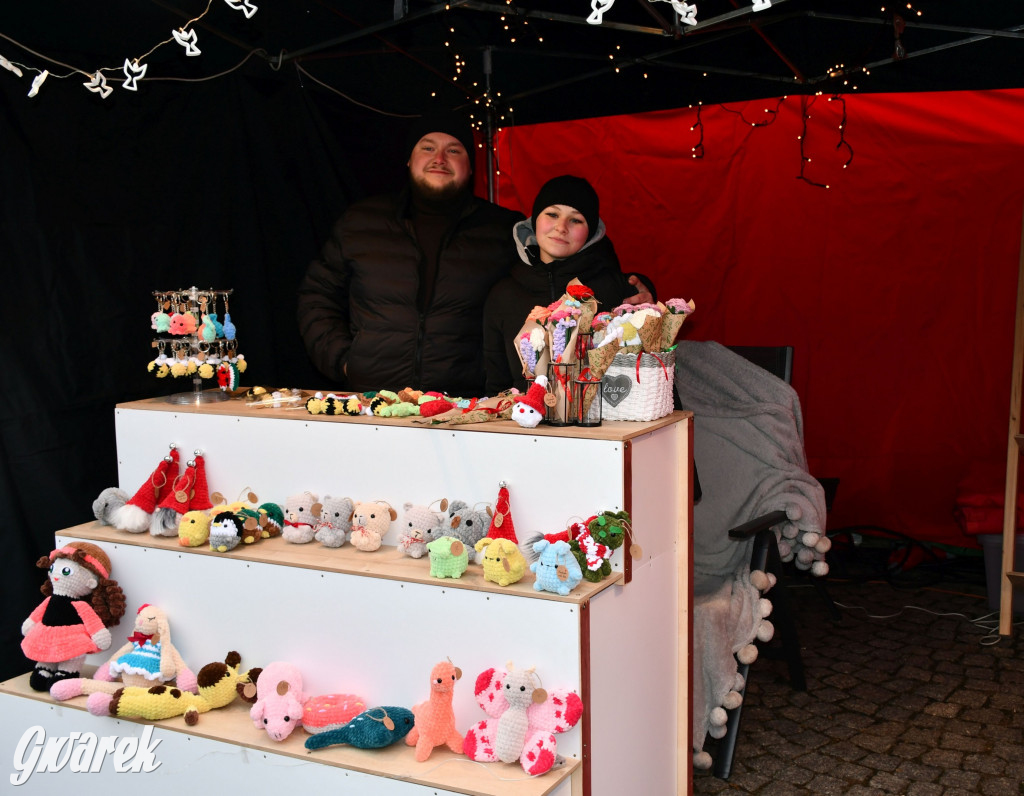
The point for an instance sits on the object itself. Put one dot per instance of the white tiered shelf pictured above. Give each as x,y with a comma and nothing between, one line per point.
375,623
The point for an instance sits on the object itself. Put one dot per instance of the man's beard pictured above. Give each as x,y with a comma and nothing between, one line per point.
442,194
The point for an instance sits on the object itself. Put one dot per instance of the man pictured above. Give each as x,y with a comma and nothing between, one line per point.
396,298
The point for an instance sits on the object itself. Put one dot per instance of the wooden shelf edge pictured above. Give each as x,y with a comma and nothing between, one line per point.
615,430
443,769
387,563
1017,579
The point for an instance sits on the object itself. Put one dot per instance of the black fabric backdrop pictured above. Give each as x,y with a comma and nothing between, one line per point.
230,183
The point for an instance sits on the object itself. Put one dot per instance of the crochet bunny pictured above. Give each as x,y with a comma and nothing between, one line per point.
148,658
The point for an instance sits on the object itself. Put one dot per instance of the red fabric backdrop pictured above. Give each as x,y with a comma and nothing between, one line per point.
896,285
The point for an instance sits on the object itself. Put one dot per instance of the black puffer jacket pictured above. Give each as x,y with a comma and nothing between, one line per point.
531,283
357,304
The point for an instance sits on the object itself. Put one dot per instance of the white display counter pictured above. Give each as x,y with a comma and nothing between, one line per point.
375,623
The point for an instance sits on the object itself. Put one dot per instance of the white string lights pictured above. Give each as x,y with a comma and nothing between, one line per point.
687,11
133,69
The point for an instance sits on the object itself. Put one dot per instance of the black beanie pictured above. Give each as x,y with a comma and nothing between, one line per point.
574,192
450,123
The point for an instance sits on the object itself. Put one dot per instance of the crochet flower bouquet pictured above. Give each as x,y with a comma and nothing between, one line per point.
633,354
553,342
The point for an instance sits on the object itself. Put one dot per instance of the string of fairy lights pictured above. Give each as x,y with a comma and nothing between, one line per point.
486,100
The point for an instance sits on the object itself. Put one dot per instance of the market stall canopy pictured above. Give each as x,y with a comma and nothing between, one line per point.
532,60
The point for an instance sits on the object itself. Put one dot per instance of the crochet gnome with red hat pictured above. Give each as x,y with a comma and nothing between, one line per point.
502,526
528,410
135,515
178,499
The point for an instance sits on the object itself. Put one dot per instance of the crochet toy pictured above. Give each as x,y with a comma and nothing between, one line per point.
136,514
372,729
334,521
299,519
467,524
329,712
217,685
435,719
556,568
504,562
253,521
594,545
449,557
529,409
226,531
279,700
370,521
147,658
188,491
107,502
194,529
333,405
417,523
275,519
81,604
525,719
502,526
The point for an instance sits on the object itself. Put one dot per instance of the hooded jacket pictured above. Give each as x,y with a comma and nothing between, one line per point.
357,304
532,282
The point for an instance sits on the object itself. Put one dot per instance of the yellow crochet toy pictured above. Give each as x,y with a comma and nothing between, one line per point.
504,562
217,687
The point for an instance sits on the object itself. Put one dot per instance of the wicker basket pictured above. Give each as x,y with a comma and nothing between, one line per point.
639,386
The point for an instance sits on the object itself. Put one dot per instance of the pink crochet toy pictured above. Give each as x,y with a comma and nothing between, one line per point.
435,719
279,700
281,704
81,603
524,720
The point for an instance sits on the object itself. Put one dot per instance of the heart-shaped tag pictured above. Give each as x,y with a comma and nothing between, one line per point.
616,389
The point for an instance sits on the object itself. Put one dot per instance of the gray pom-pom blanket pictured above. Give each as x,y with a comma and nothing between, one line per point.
749,453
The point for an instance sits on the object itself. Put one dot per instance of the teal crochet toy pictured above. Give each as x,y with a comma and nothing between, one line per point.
449,557
372,729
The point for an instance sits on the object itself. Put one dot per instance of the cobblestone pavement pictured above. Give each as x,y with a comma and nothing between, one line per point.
920,702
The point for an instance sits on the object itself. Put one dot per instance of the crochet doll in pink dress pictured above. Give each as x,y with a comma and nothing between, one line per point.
81,602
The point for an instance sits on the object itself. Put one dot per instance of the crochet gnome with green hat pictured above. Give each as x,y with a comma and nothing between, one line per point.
502,526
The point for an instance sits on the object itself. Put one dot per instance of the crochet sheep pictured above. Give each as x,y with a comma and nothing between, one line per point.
449,557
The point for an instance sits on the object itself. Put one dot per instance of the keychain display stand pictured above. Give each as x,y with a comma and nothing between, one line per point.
195,344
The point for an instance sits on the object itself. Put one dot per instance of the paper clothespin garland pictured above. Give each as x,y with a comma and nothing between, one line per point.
98,85
188,40
245,6
9,66
37,82
133,73
599,8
